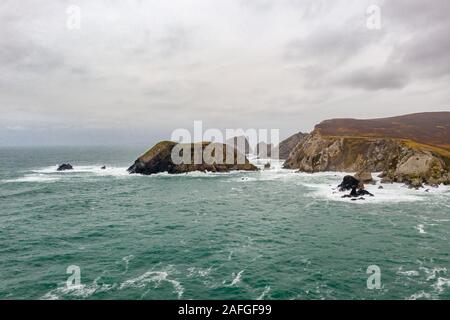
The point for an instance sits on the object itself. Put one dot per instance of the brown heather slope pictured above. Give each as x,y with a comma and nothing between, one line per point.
428,128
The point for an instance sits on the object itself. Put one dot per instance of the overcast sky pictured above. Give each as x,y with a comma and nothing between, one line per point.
136,70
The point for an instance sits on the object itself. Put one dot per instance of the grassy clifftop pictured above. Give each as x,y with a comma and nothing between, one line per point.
421,130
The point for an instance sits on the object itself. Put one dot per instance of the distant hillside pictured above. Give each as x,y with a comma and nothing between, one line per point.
241,144
429,128
286,146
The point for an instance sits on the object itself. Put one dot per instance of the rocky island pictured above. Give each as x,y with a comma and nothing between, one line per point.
159,159
412,149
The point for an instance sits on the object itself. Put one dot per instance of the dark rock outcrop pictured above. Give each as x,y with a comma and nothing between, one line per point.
65,167
198,156
356,193
267,165
349,183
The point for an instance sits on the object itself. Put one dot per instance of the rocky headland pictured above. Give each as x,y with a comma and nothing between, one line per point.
386,145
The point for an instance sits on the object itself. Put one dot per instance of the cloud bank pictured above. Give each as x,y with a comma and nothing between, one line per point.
136,70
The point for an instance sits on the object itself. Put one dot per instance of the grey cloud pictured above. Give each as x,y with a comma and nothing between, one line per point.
331,45
426,54
415,14
375,79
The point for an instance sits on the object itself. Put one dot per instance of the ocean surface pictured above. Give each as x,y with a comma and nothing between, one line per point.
273,234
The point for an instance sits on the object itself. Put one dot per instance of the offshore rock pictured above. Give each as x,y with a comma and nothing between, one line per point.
159,159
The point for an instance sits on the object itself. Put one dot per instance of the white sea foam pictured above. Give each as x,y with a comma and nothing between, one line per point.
80,291
441,284
420,228
264,293
433,273
51,174
236,278
198,272
93,169
324,185
126,260
32,178
420,295
409,273
155,278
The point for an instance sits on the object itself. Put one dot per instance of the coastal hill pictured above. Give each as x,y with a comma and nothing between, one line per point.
159,159
412,149
429,128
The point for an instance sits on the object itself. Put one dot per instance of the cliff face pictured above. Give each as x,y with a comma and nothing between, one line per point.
399,161
287,146
159,159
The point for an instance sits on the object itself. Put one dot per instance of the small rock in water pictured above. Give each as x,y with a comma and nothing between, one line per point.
64,167
103,168
348,183
380,187
267,165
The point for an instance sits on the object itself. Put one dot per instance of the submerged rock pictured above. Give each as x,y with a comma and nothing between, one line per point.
267,165
103,168
64,167
190,157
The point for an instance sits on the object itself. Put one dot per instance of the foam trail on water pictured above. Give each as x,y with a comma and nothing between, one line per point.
32,178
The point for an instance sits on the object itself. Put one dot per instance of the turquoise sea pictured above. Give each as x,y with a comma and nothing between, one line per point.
272,234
